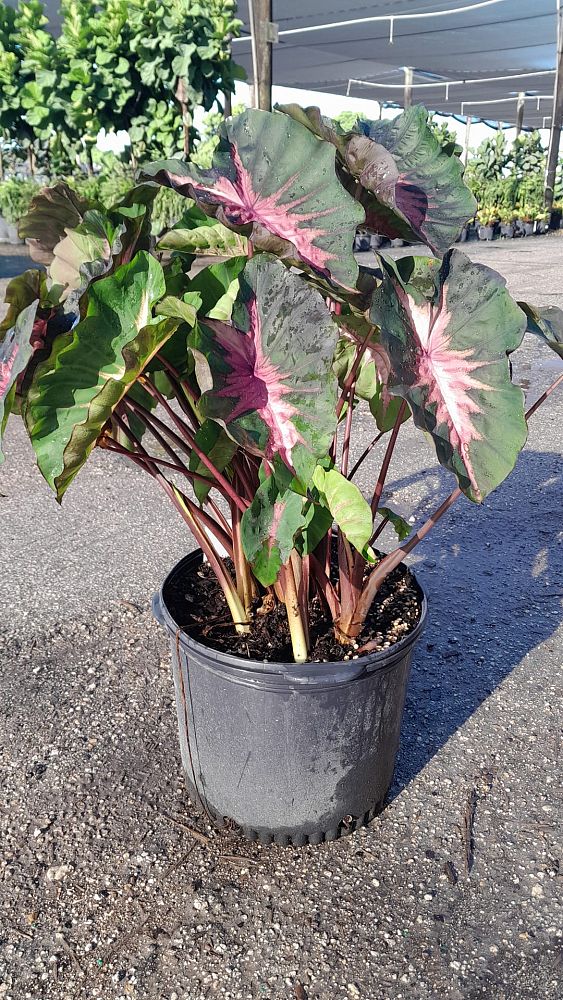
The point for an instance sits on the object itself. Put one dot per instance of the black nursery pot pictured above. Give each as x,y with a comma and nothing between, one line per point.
292,753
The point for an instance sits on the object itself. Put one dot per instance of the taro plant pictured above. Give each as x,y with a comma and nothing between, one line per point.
236,387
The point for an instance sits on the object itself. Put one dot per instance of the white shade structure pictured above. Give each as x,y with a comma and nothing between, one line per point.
468,58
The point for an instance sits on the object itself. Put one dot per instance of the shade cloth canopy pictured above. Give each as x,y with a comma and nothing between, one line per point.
468,47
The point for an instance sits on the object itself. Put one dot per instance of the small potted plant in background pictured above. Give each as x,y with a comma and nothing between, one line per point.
507,223
542,223
487,218
15,198
236,390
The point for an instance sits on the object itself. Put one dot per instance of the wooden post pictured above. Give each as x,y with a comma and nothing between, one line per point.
1,159
407,100
263,33
467,134
557,115
227,105
182,99
520,113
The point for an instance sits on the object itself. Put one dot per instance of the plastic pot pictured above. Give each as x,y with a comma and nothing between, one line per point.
507,230
294,753
486,232
13,235
4,235
555,218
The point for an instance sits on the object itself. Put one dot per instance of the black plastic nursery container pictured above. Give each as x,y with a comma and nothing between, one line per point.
294,753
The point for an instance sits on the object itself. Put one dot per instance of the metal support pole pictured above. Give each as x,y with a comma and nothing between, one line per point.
520,113
467,134
263,34
407,100
557,117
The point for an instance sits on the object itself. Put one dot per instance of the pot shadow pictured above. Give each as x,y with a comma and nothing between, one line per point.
493,575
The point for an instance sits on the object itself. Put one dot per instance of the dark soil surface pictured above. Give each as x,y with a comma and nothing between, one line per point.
197,603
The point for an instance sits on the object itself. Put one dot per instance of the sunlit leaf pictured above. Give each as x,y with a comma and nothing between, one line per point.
349,509
268,377
89,370
269,527
273,181
448,330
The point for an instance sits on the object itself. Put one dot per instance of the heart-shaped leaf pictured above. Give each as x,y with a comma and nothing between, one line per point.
268,377
269,527
52,211
89,370
412,187
448,330
349,509
273,180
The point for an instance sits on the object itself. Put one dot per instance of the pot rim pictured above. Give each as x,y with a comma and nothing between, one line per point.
310,672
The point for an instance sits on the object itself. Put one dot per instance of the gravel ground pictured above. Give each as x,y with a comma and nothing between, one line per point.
112,887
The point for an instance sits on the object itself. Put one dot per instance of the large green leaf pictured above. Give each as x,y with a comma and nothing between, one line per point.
410,186
218,285
197,233
269,527
16,349
53,210
545,322
349,509
268,377
85,253
448,330
275,182
89,370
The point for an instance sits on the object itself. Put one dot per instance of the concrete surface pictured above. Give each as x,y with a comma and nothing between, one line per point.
453,892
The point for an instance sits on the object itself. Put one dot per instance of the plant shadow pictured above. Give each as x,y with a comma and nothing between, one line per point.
494,579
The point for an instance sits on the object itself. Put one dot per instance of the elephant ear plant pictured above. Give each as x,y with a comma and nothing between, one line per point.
236,386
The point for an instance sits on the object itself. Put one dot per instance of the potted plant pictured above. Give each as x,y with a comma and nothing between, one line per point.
15,198
487,218
507,223
542,223
235,389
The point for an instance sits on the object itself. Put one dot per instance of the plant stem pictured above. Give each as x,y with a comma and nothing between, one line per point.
544,396
296,629
223,577
387,458
365,454
191,444
348,430
352,374
245,587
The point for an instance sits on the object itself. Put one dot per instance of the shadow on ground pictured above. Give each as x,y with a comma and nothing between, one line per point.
494,579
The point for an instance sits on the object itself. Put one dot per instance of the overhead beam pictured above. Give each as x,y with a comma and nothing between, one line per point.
557,116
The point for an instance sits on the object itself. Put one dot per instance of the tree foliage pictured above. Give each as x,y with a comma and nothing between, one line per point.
138,65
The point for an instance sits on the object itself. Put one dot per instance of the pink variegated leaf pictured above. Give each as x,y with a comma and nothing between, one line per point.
270,371
275,182
15,351
409,185
449,330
